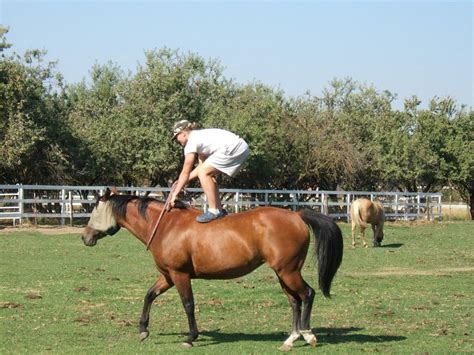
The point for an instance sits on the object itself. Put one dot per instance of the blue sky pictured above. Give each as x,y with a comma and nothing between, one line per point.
406,47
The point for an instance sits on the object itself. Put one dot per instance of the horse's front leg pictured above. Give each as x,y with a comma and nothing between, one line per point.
378,235
160,286
374,230
183,285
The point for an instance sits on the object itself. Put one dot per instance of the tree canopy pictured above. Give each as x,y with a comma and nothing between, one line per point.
114,128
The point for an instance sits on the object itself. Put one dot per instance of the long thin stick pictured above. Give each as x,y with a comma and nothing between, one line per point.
165,208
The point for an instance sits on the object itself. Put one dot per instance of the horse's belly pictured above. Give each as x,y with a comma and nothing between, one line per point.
224,271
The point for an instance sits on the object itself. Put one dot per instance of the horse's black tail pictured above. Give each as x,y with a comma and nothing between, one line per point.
328,247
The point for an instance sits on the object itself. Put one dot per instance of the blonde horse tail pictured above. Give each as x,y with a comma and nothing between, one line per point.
355,214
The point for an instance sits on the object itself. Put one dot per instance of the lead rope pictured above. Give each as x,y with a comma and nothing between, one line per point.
165,208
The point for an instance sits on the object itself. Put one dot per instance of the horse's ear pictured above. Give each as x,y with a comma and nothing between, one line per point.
114,190
105,196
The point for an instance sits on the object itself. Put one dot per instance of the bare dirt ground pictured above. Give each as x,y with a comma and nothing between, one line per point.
49,230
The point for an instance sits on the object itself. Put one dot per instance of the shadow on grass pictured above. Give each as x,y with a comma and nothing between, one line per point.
324,335
393,245
351,335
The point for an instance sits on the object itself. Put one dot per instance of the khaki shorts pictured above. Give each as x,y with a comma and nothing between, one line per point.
230,161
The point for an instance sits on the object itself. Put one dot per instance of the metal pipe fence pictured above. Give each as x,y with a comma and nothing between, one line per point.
47,204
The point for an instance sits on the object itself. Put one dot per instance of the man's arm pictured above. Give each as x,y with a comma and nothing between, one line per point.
184,176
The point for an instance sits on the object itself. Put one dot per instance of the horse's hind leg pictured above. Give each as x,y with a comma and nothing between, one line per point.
308,306
183,285
295,303
353,228
362,236
160,286
294,286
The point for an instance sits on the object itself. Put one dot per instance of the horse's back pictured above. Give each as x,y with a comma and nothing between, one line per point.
238,243
365,211
268,230
282,235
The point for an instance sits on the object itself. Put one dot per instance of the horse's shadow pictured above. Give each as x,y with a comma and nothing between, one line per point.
393,245
351,334
324,335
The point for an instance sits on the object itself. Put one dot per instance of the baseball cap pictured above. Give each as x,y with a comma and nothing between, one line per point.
180,126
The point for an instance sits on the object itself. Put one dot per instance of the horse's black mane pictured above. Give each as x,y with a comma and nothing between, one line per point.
119,204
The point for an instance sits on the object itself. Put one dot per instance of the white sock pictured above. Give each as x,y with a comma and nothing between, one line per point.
213,210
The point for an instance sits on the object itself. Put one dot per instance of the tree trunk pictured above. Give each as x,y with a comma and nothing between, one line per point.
471,202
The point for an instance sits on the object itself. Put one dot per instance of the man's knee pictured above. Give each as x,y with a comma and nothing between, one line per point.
207,171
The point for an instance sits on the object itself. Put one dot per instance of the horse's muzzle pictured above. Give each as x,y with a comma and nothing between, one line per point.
89,241
91,235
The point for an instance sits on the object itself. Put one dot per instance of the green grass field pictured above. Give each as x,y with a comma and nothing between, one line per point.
412,296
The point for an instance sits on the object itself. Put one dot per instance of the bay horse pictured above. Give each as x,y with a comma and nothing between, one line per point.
364,211
227,248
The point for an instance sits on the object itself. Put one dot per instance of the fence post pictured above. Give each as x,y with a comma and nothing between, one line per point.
348,207
322,202
396,206
35,208
21,207
236,199
418,201
450,201
325,203
71,212
405,208
63,206
428,214
440,208
295,201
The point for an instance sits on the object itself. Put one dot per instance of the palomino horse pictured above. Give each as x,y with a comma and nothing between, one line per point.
227,248
364,211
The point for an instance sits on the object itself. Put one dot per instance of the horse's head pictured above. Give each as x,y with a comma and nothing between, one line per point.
102,221
379,237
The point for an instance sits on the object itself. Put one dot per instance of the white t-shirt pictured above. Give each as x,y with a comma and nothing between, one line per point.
208,141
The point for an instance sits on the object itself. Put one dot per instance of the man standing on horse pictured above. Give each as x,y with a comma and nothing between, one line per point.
218,151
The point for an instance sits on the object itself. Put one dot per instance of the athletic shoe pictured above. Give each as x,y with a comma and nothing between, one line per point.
209,216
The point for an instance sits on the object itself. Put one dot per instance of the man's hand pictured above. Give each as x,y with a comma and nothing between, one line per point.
174,195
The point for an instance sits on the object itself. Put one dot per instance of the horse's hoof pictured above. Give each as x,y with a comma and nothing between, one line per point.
309,337
187,345
143,335
285,347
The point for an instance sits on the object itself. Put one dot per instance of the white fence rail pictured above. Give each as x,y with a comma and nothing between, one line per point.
74,203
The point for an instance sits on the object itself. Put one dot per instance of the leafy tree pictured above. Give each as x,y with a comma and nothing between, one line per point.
126,121
327,158
460,158
115,128
95,125
32,130
255,112
3,42
350,118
